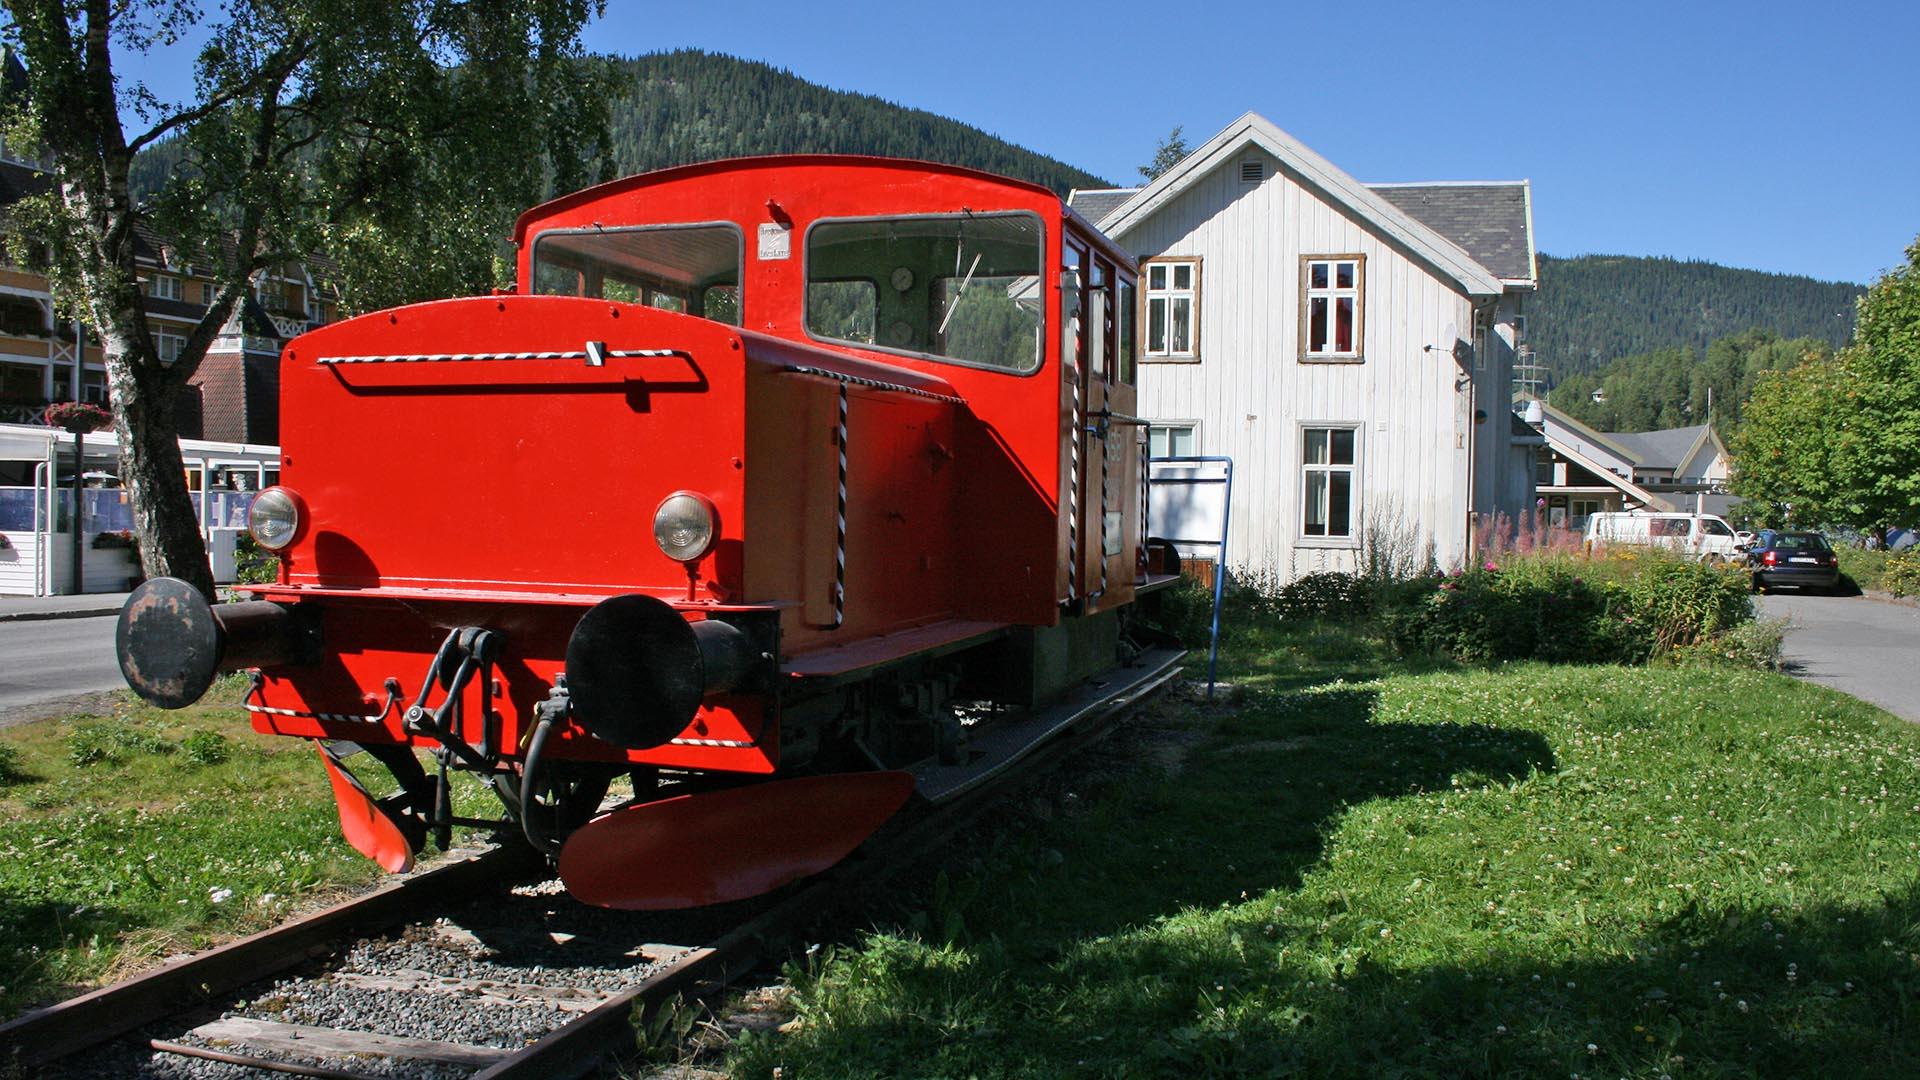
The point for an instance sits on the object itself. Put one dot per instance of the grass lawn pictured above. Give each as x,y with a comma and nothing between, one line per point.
128,838
1364,870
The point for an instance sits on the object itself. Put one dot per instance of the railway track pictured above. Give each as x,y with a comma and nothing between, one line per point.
492,971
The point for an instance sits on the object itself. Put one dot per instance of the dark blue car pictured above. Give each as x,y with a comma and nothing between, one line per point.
1801,559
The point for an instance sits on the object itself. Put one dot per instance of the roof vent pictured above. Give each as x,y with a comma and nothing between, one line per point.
1252,172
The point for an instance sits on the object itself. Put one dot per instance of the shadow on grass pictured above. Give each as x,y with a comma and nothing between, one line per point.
33,935
1249,813
1824,992
1111,955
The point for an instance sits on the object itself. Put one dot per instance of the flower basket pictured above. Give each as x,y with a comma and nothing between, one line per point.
108,541
77,417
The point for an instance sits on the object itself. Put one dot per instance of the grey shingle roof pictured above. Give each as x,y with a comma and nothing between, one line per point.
1658,449
1488,220
1096,204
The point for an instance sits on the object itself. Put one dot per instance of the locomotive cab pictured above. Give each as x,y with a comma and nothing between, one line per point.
784,470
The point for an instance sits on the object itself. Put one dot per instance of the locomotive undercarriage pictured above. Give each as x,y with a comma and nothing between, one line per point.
852,747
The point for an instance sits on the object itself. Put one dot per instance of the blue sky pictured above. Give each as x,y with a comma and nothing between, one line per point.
1782,137
1777,136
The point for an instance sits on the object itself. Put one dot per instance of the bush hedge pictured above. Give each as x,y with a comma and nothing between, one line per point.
1900,574
1551,606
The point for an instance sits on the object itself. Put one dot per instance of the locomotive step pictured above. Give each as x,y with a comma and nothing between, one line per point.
1115,688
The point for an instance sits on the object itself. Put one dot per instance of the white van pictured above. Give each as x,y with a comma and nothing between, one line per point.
1700,536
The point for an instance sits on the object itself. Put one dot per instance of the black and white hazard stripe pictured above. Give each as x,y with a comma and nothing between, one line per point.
1073,487
840,518
594,355
328,717
872,384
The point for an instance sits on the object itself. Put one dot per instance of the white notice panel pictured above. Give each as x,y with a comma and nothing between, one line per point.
1188,505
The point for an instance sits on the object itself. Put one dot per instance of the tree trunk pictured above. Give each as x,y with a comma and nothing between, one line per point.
156,480
151,467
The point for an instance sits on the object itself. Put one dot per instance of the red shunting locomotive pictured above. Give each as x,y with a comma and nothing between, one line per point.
788,487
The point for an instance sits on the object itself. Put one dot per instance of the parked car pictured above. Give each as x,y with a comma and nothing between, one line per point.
1702,536
1801,559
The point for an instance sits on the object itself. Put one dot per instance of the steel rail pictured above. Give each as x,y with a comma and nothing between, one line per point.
579,1045
93,1018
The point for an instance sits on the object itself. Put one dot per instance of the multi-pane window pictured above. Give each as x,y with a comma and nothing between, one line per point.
1327,472
1173,309
1172,440
168,346
164,287
1330,307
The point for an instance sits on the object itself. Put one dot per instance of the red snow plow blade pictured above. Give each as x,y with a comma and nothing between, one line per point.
726,845
368,828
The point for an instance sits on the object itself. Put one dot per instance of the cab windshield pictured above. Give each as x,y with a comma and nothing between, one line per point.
965,288
688,268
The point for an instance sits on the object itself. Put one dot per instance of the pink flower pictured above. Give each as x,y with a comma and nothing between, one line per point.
1489,566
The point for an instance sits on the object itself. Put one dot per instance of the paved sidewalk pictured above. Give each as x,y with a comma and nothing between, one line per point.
19,608
1865,647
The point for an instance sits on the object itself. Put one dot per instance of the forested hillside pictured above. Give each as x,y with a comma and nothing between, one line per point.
681,107
1594,309
1680,386
678,107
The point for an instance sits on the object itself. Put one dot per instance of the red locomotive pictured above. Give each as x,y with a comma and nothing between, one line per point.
782,484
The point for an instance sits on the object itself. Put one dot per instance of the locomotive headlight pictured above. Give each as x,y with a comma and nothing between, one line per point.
683,526
275,517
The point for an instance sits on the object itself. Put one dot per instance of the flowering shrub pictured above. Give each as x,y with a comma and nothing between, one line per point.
1901,576
1563,609
79,416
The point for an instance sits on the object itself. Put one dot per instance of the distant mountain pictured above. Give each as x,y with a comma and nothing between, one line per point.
679,107
1594,309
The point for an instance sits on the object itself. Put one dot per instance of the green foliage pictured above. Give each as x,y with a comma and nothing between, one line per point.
112,742
1181,613
1327,594
253,564
1170,152
1677,387
1595,309
1754,644
10,767
206,748
1837,443
1902,574
1862,567
1565,609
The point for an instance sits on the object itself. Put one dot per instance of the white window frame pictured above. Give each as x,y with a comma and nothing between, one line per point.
164,287
1165,429
1169,296
167,346
1312,351
1308,469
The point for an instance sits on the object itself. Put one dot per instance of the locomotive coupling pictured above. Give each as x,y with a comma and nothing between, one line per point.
172,643
637,669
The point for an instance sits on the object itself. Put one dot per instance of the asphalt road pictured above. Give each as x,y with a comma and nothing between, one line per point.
1867,648
49,660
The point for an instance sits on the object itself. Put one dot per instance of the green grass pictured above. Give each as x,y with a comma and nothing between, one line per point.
131,837
1526,871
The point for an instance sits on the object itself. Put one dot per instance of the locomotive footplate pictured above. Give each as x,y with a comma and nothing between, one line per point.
998,749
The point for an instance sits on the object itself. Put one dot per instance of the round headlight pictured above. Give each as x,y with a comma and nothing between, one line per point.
274,518
683,526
